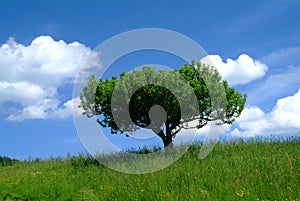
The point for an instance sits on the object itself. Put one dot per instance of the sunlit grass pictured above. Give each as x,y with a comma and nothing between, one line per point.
252,170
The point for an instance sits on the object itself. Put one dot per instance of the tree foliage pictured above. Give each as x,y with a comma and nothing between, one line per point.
195,92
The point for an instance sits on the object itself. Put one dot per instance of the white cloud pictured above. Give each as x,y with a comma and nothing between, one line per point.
240,71
31,75
24,92
47,109
44,62
286,112
283,119
69,107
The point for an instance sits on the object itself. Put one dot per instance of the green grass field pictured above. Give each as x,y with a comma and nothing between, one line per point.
232,171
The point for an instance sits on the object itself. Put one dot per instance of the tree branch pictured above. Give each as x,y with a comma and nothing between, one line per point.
173,134
182,127
200,118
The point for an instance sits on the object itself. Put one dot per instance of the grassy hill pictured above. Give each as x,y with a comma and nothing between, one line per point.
233,171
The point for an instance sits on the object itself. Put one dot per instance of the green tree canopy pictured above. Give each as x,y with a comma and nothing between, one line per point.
195,92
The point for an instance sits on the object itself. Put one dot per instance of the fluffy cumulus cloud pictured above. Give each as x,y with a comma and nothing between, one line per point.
242,70
31,76
283,119
48,109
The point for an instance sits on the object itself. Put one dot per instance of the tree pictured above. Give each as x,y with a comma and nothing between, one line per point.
135,93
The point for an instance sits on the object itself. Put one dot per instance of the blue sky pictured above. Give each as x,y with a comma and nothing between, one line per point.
256,44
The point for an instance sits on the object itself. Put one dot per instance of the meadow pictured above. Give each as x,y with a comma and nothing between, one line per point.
239,170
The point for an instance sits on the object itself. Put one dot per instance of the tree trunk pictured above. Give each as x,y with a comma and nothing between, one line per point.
168,142
167,139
